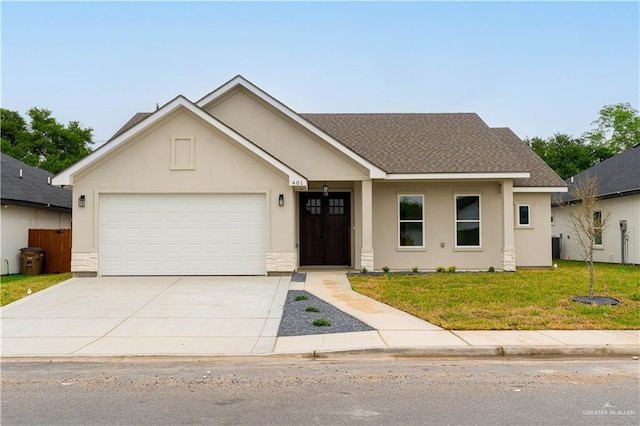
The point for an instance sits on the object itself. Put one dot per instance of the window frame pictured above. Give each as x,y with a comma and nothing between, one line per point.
456,221
596,228
518,223
421,221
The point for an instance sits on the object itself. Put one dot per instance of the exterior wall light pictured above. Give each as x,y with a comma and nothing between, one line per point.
325,190
281,200
81,201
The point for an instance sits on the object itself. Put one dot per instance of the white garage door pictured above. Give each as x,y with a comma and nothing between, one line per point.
182,234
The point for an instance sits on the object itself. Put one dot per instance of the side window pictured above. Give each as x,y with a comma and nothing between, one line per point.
468,221
597,226
411,220
524,215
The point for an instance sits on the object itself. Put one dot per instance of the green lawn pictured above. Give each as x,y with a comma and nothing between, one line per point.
534,299
14,287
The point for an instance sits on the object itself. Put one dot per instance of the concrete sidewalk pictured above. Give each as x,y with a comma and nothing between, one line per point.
400,333
230,316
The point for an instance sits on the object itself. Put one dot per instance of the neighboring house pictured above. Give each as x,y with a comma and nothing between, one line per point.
619,193
29,201
239,183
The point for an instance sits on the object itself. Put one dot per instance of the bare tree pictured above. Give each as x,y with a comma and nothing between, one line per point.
588,220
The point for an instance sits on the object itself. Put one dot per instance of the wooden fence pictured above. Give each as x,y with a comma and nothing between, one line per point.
56,244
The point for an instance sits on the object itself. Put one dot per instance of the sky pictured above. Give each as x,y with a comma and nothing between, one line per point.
536,67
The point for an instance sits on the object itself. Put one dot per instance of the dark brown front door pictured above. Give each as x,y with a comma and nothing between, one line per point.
325,229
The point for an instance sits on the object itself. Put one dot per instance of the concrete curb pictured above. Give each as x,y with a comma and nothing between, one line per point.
486,351
409,352
426,352
586,351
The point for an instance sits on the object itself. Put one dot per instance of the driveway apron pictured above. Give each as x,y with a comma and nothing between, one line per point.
147,316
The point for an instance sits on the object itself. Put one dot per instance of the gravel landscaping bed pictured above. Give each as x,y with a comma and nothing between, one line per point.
296,321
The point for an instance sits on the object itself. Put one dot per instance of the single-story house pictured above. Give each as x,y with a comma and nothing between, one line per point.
239,183
618,181
28,201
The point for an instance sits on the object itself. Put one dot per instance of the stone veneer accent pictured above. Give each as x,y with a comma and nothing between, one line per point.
282,261
509,260
82,263
366,259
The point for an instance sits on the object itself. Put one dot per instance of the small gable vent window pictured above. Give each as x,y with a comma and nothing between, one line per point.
183,156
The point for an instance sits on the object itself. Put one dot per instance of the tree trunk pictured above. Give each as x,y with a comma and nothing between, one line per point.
591,278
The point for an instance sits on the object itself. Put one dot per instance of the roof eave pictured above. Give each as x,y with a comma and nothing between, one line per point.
21,203
540,189
457,176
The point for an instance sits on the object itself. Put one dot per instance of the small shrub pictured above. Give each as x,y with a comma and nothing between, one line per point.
301,297
635,296
321,322
492,269
385,269
312,309
415,269
365,270
441,269
452,269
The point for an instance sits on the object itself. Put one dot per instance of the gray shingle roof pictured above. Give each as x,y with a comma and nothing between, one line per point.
541,173
138,117
33,188
436,143
617,176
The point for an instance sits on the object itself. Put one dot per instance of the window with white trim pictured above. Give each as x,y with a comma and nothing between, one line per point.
468,221
524,215
411,220
597,227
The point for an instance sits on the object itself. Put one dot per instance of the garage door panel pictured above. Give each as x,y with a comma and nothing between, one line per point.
194,234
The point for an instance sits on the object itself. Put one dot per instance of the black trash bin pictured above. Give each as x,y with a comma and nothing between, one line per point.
555,247
31,259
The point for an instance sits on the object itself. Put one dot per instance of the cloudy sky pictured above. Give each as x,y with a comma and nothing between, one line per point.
537,67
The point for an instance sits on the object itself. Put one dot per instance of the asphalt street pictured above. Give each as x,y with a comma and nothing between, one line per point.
293,391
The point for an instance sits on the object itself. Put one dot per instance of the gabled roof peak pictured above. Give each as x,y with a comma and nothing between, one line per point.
66,176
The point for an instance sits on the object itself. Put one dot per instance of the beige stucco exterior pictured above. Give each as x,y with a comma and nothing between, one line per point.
439,226
14,228
533,242
285,140
621,208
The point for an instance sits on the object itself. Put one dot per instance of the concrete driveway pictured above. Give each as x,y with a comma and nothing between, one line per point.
147,316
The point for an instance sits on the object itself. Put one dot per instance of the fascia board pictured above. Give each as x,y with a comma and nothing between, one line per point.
540,189
66,176
457,176
374,171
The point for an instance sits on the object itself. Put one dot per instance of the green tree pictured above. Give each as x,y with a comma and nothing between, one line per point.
617,128
43,141
565,154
